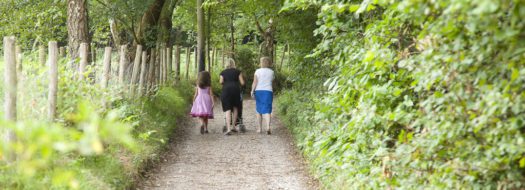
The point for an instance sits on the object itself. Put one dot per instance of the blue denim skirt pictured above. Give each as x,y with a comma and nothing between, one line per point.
263,101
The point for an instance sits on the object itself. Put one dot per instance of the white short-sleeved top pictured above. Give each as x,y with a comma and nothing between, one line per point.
265,78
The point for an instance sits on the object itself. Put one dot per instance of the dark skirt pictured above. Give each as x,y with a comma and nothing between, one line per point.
230,97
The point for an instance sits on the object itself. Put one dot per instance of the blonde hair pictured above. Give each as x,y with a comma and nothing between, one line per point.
231,64
265,62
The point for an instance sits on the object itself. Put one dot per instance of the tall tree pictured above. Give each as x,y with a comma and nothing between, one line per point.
267,47
148,25
200,36
165,22
77,25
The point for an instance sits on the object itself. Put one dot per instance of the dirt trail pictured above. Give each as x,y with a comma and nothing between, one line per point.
240,161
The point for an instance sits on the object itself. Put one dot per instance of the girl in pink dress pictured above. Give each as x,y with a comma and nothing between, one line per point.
203,100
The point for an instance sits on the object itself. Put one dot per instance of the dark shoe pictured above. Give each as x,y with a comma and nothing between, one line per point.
242,128
224,129
234,130
206,131
202,129
269,132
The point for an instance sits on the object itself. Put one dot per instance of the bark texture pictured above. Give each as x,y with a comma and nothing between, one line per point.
77,26
200,37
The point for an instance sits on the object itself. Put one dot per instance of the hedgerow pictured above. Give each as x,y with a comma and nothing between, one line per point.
421,94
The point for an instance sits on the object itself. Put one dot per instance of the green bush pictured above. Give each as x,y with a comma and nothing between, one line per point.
100,140
421,94
246,61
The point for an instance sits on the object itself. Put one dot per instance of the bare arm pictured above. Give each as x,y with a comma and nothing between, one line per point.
212,99
241,79
221,80
195,95
254,84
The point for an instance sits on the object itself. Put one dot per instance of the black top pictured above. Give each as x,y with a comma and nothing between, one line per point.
231,89
231,77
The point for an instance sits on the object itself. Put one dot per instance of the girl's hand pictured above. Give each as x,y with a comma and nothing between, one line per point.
253,94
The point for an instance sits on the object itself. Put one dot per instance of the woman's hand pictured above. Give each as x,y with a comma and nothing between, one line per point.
253,94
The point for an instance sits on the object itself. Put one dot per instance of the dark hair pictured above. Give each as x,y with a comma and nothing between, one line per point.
204,79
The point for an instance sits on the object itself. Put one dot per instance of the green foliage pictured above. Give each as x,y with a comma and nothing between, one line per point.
100,140
34,22
246,61
421,94
47,151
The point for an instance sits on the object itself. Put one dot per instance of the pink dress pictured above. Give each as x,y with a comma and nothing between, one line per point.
202,106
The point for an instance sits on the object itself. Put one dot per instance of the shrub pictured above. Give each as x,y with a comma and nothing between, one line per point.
421,94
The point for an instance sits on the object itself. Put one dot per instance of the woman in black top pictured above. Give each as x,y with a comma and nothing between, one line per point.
231,80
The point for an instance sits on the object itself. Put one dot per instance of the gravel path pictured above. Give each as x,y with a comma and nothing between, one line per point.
241,161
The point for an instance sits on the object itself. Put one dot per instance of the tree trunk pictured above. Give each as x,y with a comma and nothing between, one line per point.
232,38
267,47
146,30
200,37
165,23
115,32
188,57
208,36
77,26
177,63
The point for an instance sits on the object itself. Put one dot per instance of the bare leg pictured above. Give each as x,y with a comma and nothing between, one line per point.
205,121
259,122
235,112
228,120
202,125
268,120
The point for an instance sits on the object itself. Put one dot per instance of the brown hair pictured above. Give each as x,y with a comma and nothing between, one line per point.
266,62
204,79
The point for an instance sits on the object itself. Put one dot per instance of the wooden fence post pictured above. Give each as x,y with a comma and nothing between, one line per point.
166,65
83,54
42,55
208,59
196,59
142,73
177,63
188,56
223,57
93,53
157,67
106,67
62,52
9,84
151,75
160,58
169,56
282,57
162,64
135,73
212,61
19,66
53,79
122,65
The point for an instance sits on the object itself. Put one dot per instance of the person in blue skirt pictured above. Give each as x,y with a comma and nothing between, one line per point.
262,91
